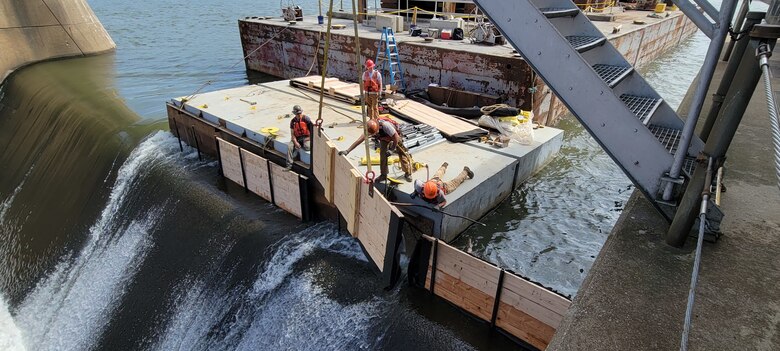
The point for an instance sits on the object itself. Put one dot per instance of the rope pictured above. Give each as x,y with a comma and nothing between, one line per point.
438,210
487,110
774,121
360,84
208,82
326,53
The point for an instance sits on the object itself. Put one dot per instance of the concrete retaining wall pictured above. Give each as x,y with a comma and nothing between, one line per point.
37,30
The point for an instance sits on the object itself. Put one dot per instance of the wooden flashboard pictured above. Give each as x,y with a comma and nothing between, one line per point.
333,88
450,126
523,309
369,217
272,182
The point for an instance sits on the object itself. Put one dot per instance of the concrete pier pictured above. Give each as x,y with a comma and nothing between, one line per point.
37,30
291,51
240,113
635,295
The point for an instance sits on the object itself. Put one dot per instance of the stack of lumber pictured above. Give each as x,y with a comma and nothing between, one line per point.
333,87
453,128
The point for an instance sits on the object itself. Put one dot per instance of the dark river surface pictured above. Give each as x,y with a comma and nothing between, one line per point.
110,238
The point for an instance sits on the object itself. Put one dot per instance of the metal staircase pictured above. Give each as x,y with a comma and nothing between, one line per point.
388,61
622,112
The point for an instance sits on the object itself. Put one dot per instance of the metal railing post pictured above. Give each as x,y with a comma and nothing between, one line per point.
705,77
753,18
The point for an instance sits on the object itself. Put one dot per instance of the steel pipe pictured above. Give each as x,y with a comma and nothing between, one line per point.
705,77
701,21
739,22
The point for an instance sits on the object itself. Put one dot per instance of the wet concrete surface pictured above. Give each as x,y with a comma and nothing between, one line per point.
635,295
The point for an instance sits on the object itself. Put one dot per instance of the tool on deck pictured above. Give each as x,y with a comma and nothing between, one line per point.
249,102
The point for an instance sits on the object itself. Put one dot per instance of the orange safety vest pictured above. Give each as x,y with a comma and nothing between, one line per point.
370,82
300,128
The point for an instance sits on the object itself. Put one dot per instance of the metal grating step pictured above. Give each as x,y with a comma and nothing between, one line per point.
612,75
583,43
668,137
553,12
643,107
689,165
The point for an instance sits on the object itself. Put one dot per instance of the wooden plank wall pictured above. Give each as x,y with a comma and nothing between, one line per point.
258,176
323,153
231,162
270,181
370,217
525,310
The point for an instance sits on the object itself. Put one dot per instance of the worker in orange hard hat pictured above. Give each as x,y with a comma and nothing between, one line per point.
433,190
372,86
388,133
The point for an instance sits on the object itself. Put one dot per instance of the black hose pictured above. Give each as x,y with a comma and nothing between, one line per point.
438,210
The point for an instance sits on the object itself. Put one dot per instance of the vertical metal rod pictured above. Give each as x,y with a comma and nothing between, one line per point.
243,169
737,27
326,53
753,18
736,101
433,264
705,198
705,77
197,144
497,298
176,126
219,156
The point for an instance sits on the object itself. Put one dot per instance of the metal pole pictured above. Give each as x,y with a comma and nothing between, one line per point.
737,27
735,104
753,18
705,77
697,258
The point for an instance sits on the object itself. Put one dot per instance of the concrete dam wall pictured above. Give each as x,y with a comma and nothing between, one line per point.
37,30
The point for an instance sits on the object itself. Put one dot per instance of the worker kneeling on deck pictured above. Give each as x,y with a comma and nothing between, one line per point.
300,127
372,85
387,132
433,190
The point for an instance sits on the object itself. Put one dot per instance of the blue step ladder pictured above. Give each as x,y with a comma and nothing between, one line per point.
387,60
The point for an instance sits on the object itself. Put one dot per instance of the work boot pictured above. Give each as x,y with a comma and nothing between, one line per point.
408,177
469,173
445,164
288,166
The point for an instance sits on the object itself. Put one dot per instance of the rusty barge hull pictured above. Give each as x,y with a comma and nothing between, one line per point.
275,47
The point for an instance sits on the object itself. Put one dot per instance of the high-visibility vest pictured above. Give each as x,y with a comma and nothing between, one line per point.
370,81
300,128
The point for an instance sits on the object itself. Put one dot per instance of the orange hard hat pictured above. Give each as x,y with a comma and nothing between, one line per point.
369,63
430,190
372,127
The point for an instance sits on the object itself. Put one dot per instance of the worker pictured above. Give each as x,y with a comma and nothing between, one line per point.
389,136
372,85
300,128
434,189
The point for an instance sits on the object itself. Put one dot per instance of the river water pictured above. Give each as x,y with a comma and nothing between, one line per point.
110,238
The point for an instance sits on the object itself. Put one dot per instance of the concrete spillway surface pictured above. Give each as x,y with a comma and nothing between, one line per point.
246,110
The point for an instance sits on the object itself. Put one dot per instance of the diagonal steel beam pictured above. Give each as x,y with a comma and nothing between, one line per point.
698,18
708,8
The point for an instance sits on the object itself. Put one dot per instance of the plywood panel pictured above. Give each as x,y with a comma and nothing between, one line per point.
346,191
527,310
374,223
324,152
287,190
257,180
231,162
524,326
447,124
534,300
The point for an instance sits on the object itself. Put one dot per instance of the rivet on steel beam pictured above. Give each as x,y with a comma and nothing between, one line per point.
636,163
635,130
571,88
603,124
539,53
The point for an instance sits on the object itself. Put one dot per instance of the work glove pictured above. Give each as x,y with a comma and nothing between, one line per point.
413,195
343,153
